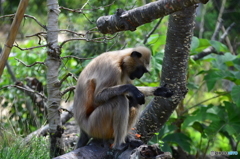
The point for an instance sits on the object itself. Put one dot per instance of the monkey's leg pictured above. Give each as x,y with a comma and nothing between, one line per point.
110,120
83,139
120,121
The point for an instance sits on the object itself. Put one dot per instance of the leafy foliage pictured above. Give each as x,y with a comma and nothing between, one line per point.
210,119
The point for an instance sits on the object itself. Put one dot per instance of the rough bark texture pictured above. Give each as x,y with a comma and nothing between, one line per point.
129,20
174,72
53,63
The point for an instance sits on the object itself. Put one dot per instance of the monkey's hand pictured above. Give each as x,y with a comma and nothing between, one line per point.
163,91
135,96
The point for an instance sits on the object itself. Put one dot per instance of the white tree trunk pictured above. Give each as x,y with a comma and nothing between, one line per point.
53,63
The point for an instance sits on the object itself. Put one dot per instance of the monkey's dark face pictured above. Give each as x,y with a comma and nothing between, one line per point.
138,73
136,64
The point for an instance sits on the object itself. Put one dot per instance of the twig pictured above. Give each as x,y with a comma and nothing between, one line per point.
66,110
65,77
30,48
217,29
75,10
186,110
96,8
25,89
152,31
37,34
71,10
211,49
71,88
98,40
78,58
42,63
28,16
201,30
73,32
219,20
65,116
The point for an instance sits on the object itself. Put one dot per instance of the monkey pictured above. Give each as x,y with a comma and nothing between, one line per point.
106,103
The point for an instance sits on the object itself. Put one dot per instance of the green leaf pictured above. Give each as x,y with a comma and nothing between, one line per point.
179,138
214,128
199,115
216,45
212,77
156,40
235,93
237,63
194,43
203,44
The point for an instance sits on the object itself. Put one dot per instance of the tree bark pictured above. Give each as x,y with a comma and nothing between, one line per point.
129,20
174,72
53,63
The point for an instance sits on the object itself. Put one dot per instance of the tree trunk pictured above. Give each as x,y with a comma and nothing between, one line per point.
53,63
174,72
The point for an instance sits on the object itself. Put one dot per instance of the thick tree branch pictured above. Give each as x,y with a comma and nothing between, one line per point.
129,20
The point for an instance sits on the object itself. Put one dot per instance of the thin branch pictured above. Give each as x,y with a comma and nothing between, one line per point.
66,110
65,77
78,58
226,32
219,20
201,31
98,40
217,29
30,48
211,49
71,10
82,8
75,10
96,8
152,31
28,16
37,34
73,32
71,88
196,105
35,63
25,89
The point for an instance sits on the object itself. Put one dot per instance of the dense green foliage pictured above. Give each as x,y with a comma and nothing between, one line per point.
208,118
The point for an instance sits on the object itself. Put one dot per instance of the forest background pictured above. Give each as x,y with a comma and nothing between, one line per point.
206,120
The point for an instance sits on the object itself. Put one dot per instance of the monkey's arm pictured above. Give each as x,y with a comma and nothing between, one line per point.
156,91
111,92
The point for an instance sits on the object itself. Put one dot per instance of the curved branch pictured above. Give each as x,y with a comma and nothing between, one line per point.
35,63
129,20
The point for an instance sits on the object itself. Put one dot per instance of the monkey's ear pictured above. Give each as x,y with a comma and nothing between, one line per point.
136,54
